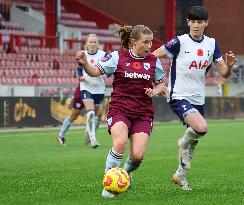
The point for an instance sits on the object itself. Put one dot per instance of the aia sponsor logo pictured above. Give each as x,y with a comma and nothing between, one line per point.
198,64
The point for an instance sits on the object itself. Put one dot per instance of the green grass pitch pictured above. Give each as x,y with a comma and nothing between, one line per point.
35,170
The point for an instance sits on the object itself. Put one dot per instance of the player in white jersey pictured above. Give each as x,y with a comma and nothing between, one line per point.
192,55
92,90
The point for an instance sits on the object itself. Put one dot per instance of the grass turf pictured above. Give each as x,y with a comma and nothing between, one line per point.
35,170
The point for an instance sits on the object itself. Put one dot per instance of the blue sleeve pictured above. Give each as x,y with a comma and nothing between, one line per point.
172,48
217,56
159,72
79,70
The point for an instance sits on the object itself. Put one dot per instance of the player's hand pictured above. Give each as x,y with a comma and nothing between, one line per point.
149,92
164,92
230,59
81,78
81,57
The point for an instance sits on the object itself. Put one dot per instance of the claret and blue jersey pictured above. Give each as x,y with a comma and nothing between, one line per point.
132,74
191,60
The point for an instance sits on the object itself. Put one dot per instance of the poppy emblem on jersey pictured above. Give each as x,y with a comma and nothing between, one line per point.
136,65
146,66
92,61
200,52
106,57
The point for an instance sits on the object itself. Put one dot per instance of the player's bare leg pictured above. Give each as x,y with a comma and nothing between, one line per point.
90,133
119,133
186,145
65,127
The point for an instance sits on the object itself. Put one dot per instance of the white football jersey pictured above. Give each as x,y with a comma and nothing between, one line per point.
94,85
191,60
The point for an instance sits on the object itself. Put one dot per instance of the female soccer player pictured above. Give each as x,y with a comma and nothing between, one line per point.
131,111
89,94
192,55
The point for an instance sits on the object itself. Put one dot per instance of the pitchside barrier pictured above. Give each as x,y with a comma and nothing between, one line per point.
51,111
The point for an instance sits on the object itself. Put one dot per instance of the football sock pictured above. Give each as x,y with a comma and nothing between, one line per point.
180,172
189,137
97,122
130,166
113,159
90,124
66,124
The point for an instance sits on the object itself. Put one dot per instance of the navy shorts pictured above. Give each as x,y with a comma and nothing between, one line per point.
134,124
96,98
182,108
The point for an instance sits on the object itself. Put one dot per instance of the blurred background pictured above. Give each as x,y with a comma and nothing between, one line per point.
38,40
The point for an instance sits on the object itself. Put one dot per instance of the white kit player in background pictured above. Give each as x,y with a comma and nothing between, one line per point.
192,55
92,90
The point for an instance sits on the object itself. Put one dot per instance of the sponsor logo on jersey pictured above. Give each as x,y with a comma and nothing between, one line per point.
198,65
127,64
106,57
146,66
137,75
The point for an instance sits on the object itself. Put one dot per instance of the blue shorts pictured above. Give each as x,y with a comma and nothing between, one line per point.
182,108
87,96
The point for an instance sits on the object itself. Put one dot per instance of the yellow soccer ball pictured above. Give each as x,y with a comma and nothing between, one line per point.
116,180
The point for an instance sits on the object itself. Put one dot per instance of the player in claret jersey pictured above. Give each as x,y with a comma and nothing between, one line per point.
131,111
192,55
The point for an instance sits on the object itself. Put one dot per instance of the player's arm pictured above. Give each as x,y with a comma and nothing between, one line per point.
225,67
170,49
159,53
93,71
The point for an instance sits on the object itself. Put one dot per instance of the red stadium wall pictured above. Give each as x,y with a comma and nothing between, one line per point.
226,18
226,24
91,13
146,12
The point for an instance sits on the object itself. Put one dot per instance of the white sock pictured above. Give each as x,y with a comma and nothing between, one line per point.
180,172
97,122
189,137
113,159
90,124
130,166
66,124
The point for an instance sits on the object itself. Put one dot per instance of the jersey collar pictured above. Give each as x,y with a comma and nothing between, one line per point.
198,41
133,55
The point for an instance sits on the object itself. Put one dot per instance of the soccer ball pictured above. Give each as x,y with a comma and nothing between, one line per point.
116,180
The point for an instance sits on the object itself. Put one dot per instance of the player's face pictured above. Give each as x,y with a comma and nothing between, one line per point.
92,45
197,28
142,46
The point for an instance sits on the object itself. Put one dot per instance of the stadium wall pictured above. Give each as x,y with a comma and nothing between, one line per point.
48,111
226,18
